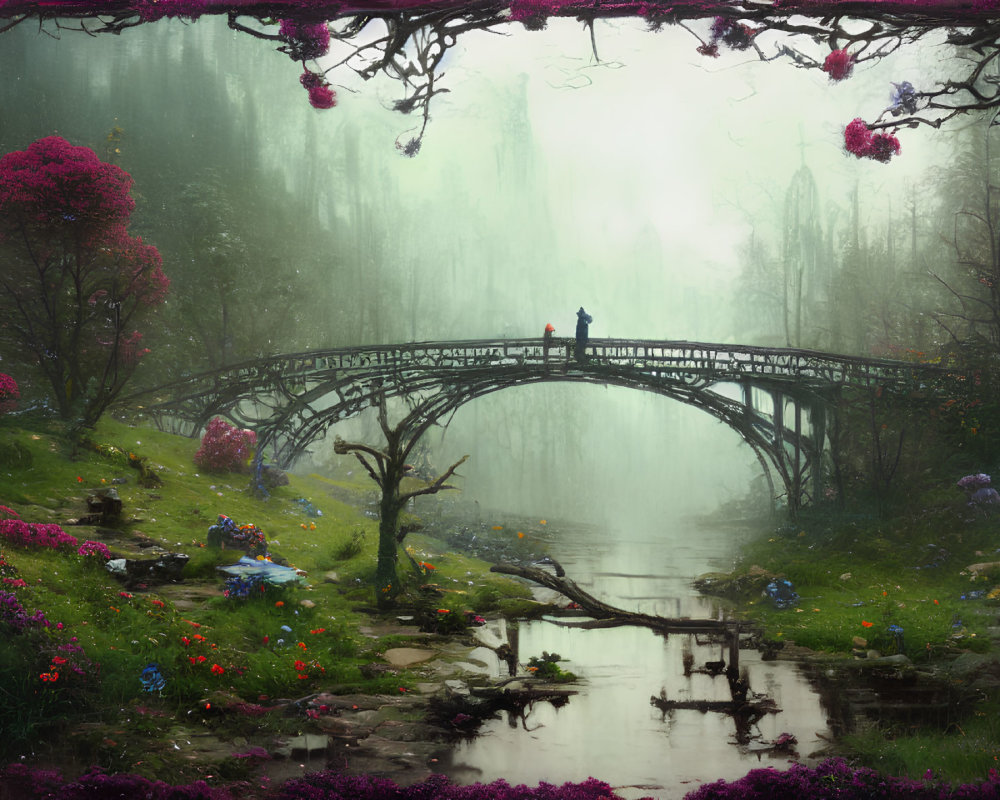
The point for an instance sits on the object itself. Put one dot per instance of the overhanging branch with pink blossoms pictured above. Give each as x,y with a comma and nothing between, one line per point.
411,38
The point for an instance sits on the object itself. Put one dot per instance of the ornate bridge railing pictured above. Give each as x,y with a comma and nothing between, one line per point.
775,398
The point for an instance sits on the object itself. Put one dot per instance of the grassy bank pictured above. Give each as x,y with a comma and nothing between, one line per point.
77,640
925,584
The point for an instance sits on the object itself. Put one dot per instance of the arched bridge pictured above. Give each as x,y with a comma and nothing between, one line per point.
776,399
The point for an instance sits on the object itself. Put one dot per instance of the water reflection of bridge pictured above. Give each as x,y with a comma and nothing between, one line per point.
777,399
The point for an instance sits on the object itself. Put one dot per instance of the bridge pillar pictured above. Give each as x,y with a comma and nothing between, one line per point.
817,418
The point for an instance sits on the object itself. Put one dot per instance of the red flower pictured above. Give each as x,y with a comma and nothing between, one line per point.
300,665
866,624
217,670
860,141
838,65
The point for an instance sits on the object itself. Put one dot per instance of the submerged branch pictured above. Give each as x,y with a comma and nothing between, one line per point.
609,615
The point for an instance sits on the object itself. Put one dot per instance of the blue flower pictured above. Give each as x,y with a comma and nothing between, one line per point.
903,98
152,679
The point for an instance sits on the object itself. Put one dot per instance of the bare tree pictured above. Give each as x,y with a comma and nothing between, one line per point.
975,245
388,467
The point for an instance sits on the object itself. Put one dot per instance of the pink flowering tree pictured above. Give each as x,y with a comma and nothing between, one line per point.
407,40
75,286
225,448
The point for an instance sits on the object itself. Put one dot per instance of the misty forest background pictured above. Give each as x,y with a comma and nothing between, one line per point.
673,196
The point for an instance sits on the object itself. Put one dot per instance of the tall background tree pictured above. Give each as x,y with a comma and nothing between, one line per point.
74,284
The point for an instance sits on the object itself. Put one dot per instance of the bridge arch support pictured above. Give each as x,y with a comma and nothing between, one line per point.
776,399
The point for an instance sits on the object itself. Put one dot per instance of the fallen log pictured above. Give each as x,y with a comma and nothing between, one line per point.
610,616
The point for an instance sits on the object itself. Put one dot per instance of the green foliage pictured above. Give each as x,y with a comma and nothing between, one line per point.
964,752
547,668
859,577
351,547
285,642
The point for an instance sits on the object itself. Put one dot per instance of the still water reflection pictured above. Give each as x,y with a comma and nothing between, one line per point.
610,731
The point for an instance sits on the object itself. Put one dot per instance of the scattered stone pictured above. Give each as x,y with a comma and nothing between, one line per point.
165,569
846,576
272,477
374,670
859,642
331,577
986,566
307,604
105,507
403,657
303,746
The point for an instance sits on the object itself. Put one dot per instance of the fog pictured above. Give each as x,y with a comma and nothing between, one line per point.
547,180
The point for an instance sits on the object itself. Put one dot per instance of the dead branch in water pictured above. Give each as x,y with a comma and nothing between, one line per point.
609,615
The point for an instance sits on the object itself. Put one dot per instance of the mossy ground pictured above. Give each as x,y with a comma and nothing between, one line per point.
286,642
856,577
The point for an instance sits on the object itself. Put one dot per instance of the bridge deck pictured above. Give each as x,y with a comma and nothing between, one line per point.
718,361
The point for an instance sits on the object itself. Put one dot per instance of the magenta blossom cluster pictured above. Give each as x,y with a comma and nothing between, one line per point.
55,188
90,548
225,448
839,65
14,616
35,784
305,41
35,534
332,785
860,141
9,393
320,94
42,186
533,13
835,778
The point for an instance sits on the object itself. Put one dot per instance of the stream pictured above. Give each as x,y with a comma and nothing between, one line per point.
610,730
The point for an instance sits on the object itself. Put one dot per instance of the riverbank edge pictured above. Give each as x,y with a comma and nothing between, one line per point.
876,703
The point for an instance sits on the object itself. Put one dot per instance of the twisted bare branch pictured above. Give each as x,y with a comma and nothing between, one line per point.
419,33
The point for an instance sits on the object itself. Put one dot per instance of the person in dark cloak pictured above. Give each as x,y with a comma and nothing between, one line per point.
583,320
